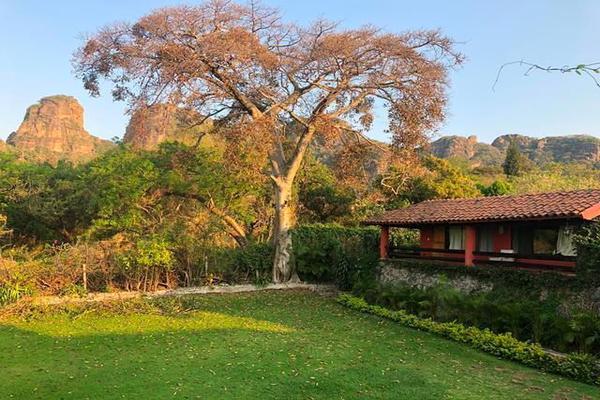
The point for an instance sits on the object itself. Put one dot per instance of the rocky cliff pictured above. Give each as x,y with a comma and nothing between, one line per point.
53,130
151,126
574,148
454,146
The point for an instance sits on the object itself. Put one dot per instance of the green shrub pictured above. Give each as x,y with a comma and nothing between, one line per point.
146,263
584,368
524,315
253,262
9,293
587,243
334,253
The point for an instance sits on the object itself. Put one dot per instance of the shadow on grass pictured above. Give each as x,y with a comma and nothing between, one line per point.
264,346
199,354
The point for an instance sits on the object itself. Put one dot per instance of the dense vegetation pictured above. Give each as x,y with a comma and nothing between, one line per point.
265,345
188,216
577,366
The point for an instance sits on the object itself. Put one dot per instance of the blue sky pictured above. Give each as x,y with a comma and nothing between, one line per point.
37,39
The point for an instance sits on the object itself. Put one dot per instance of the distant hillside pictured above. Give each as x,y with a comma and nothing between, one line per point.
564,149
53,130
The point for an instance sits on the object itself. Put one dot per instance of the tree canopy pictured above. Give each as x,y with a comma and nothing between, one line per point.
277,83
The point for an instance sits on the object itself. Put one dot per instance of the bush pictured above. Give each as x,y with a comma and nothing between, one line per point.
11,292
254,262
334,253
587,242
146,263
525,316
581,367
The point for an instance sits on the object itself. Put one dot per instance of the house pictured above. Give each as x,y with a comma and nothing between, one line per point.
526,231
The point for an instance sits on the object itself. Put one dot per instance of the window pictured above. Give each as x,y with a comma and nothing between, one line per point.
439,237
485,238
544,240
531,240
564,245
522,239
456,238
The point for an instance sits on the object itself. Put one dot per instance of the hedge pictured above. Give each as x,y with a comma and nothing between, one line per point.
335,253
321,252
581,367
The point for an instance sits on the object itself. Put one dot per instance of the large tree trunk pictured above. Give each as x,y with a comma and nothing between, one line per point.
283,266
283,177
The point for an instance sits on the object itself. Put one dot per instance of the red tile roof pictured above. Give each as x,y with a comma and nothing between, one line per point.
578,204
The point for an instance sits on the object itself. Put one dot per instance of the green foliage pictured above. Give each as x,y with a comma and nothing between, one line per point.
581,367
333,253
121,181
42,202
13,291
538,307
501,310
404,237
513,163
587,242
442,180
556,176
146,262
496,188
321,198
254,262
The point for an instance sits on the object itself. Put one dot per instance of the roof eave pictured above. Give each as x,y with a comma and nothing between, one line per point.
591,212
414,224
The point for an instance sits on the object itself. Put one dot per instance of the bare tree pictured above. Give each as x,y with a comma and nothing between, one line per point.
284,84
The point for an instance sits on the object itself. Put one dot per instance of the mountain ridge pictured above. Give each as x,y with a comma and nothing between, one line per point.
563,149
52,130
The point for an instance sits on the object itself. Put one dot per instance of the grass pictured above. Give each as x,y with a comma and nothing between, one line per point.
293,345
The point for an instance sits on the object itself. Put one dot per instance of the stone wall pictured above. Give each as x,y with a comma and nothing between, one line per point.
573,298
389,274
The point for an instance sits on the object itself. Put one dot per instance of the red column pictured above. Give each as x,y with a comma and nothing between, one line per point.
470,244
384,239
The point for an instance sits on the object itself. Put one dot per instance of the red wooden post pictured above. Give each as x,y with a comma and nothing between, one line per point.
384,239
470,244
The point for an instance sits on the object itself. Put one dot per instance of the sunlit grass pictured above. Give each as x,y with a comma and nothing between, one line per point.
63,326
266,345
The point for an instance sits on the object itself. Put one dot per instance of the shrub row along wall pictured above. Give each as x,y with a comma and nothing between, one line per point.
557,311
581,367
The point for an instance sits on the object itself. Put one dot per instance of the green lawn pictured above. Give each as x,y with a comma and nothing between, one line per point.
292,345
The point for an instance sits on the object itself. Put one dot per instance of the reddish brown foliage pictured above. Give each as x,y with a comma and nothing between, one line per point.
235,62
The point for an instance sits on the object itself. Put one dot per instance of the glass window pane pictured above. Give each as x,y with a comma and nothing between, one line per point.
544,241
456,238
485,238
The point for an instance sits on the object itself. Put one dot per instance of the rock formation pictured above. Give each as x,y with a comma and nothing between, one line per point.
454,146
573,148
52,130
565,149
467,148
151,126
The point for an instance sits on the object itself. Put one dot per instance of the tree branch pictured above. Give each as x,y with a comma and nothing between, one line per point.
587,69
